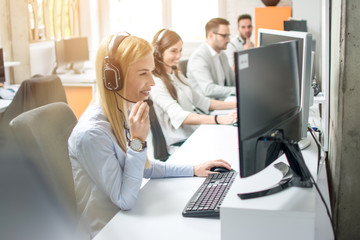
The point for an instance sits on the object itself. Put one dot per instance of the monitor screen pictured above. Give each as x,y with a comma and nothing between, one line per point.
268,102
2,66
304,39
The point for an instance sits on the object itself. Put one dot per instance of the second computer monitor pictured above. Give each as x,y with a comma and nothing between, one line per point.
267,37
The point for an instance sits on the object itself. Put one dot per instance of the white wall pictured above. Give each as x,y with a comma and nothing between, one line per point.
310,11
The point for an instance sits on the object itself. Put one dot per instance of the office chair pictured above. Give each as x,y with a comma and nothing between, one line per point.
159,142
183,66
32,93
42,135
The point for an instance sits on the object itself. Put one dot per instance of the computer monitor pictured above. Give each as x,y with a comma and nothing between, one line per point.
268,36
2,66
295,25
71,51
267,83
268,103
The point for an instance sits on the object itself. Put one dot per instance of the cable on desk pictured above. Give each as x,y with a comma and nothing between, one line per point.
319,146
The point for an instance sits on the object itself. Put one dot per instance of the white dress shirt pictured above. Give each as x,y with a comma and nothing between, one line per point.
235,45
106,178
172,113
218,65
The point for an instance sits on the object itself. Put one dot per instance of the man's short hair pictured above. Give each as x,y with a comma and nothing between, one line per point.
213,25
243,16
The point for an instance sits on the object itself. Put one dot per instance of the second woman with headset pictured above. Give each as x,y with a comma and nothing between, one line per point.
179,108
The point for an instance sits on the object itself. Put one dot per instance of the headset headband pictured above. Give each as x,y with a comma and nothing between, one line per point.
161,35
116,41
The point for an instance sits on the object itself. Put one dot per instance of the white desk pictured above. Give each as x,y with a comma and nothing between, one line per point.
4,103
157,214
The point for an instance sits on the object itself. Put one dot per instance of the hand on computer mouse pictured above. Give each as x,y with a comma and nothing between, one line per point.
227,119
204,169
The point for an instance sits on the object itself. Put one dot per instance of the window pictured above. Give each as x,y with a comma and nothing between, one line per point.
190,16
144,18
141,18
53,19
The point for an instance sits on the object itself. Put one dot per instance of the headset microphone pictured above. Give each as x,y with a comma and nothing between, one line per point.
124,98
148,101
173,67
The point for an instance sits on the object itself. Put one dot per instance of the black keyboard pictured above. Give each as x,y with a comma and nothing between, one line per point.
207,199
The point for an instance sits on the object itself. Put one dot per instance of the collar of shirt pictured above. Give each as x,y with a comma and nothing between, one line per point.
239,39
212,51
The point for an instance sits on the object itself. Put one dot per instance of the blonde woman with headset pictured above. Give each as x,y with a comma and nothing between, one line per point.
107,147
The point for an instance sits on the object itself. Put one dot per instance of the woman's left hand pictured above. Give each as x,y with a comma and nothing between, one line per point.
203,170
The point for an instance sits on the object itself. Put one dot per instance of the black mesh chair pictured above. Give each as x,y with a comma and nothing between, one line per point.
159,142
183,66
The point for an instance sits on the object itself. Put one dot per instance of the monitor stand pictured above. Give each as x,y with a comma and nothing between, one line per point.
296,174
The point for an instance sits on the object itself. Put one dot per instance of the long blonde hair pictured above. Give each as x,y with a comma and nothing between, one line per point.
129,51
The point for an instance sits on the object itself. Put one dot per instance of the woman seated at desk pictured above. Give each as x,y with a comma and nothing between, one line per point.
107,147
179,108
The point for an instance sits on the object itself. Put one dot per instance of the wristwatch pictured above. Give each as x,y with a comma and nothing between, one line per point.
137,145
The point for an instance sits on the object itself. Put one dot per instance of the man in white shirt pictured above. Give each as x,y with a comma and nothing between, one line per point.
242,40
208,69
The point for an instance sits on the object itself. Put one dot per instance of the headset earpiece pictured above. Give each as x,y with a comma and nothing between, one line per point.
112,75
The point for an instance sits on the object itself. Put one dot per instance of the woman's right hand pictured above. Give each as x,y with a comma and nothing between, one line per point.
227,119
203,169
139,122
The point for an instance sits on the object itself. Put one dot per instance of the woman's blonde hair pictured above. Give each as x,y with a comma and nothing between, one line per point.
130,50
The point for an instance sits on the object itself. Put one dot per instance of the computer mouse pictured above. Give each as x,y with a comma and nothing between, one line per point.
235,123
219,169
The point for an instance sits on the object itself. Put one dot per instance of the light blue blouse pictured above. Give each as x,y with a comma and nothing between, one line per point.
107,179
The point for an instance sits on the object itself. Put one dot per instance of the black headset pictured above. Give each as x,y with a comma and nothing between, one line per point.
112,74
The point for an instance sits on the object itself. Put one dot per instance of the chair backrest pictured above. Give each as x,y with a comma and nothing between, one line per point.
32,93
159,142
183,66
42,134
